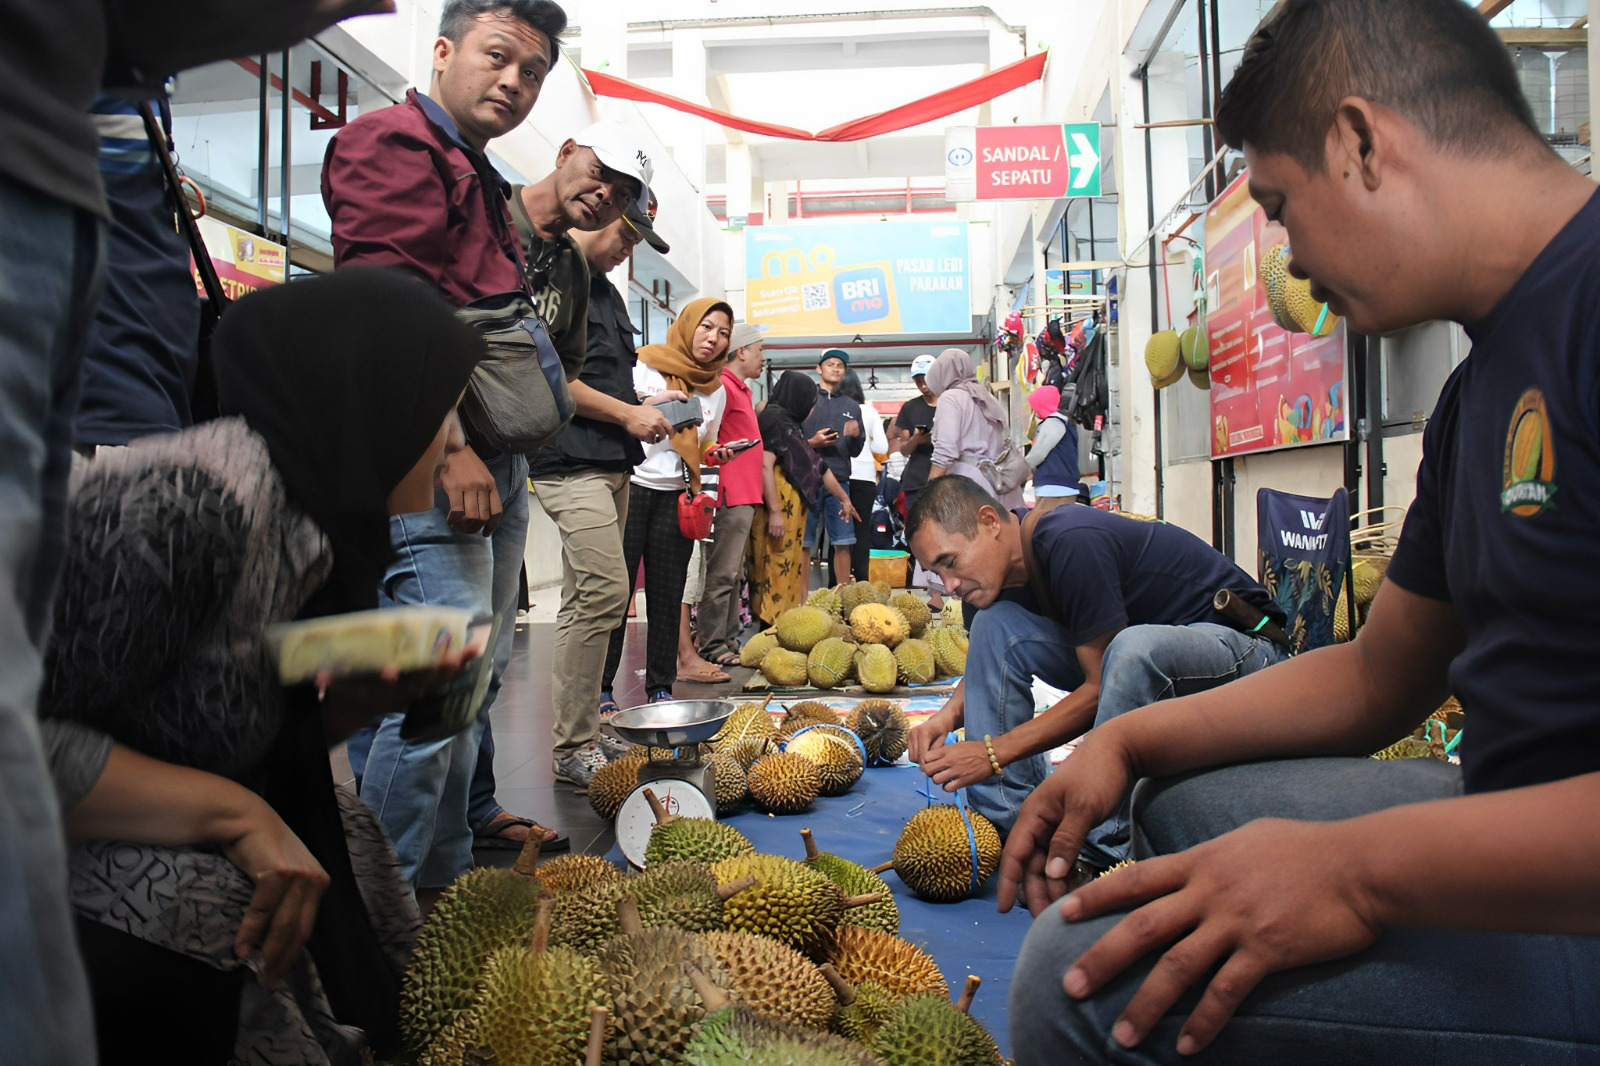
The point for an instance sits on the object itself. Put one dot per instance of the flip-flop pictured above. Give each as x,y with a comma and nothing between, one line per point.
490,835
608,707
726,661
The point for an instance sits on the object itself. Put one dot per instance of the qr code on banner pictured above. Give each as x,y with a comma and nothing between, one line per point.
814,297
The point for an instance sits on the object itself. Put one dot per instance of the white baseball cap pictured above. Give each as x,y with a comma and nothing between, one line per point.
744,333
921,365
620,149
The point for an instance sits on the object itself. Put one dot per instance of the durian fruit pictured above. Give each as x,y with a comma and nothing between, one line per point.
1195,347
876,668
841,629
676,838
810,711
854,879
882,727
611,784
932,1031
789,902
934,854
915,609
584,921
683,895
1113,866
951,613
1368,575
878,623
826,599
830,662
785,668
835,752
862,955
1162,357
1289,297
862,1008
534,1007
1200,379
756,648
882,590
799,628
773,979
732,1033
784,783
949,650
654,1005
856,593
731,786
748,749
747,720
1408,748
485,910
577,873
915,661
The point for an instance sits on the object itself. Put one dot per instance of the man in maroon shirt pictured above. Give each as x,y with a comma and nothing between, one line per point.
410,187
741,496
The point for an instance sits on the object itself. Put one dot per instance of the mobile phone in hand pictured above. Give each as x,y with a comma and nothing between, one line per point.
737,446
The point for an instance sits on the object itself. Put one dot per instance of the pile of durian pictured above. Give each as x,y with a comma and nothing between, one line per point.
715,954
863,632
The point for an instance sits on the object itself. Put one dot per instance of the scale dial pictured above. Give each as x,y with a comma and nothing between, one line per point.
635,820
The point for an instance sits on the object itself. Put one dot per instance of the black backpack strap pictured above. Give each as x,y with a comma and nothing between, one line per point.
1036,578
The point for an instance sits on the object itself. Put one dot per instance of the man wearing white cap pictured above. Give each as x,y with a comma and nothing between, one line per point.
741,488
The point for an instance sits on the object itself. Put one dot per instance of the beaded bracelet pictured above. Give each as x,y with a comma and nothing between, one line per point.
988,745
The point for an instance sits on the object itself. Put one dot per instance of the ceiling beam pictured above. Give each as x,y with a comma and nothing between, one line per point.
1553,40
1490,8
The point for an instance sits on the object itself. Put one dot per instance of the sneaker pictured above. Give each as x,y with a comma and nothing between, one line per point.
579,766
612,747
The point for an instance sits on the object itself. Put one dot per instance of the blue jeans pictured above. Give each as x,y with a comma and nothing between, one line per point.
1008,646
50,263
1144,664
1416,996
827,511
422,791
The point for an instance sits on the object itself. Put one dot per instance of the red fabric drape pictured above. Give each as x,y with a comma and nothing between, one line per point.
940,104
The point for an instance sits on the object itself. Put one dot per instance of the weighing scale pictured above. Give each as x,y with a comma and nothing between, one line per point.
683,781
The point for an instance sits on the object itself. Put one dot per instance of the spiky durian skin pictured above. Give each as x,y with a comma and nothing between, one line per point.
485,910
878,623
862,955
915,661
585,920
784,783
655,1008
531,1010
747,720
882,726
612,783
811,711
854,879
855,594
734,1036
695,840
930,1031
756,648
876,668
785,668
800,628
949,649
789,902
934,855
861,1020
830,662
731,784
576,873
917,615
773,979
834,750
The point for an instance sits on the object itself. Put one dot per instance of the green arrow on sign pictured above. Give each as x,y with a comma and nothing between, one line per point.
1083,158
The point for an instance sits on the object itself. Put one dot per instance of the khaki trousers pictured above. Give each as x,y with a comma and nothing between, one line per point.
719,607
590,510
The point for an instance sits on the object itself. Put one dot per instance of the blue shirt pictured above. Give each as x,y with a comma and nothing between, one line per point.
1107,571
1506,522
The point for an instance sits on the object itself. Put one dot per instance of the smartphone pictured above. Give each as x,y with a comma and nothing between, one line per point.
737,446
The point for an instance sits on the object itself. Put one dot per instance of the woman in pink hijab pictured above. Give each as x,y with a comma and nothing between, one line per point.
969,424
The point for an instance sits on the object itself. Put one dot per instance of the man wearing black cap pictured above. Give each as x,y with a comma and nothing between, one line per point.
835,432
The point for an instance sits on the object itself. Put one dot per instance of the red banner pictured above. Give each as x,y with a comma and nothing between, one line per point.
940,105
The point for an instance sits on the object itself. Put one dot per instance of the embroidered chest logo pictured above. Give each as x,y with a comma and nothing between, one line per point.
1530,464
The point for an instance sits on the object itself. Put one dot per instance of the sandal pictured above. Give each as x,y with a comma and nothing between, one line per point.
715,677
492,835
663,695
727,660
608,707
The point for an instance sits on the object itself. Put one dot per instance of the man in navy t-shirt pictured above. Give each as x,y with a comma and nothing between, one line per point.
1118,611
1325,906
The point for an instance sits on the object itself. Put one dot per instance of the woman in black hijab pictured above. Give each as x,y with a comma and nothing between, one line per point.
269,913
793,475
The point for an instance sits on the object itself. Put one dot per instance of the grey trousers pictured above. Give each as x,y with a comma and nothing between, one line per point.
590,509
1416,996
719,605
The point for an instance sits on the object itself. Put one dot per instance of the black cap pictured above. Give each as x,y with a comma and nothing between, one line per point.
834,353
641,217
